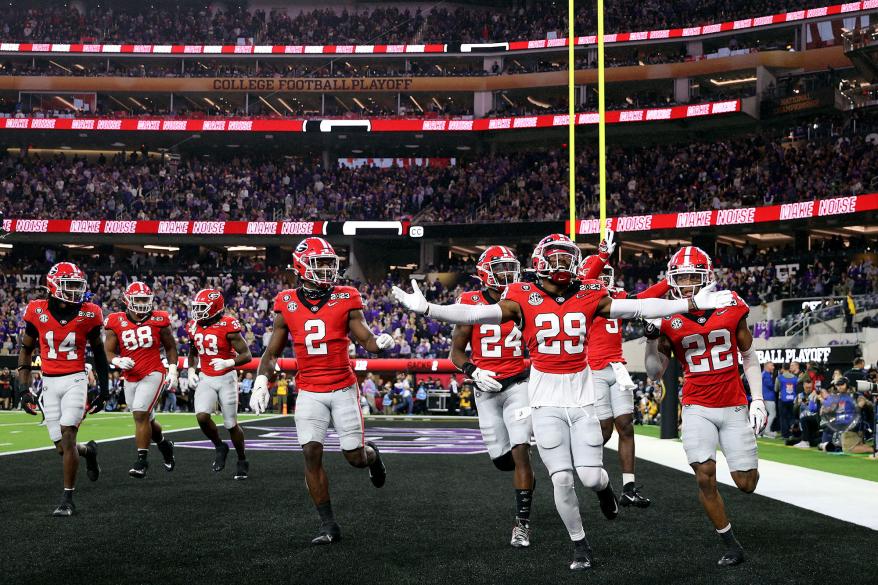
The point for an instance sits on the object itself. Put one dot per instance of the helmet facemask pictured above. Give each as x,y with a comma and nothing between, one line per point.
200,311
559,262
321,270
70,290
608,277
140,304
685,282
501,273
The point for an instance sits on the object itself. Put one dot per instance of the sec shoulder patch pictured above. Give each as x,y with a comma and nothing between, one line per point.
676,323
535,299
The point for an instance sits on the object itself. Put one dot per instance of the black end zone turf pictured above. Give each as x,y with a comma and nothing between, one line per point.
440,519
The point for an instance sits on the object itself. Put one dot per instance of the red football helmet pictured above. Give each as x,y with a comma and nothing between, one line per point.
315,260
557,258
689,270
138,297
498,267
66,282
208,302
607,275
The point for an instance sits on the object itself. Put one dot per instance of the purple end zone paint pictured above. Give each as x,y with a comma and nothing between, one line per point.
431,441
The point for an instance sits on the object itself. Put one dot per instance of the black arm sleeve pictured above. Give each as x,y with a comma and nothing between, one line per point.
102,367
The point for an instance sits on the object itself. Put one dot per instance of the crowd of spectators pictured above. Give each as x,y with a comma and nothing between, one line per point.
192,22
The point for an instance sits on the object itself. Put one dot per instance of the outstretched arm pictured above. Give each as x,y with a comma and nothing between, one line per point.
458,314
706,298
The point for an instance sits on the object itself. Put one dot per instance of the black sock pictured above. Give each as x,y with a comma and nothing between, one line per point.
324,510
142,454
628,487
728,537
523,501
242,457
81,449
583,543
68,495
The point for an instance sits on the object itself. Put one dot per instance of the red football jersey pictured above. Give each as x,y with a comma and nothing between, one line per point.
62,344
555,328
320,336
706,345
139,341
213,342
605,337
497,348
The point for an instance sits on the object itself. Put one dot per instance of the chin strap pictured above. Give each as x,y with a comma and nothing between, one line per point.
315,294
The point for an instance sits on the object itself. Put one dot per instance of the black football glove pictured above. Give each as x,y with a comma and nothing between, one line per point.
29,404
97,400
650,330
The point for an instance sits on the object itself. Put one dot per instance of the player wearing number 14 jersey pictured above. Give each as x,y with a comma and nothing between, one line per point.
555,315
217,347
496,366
319,316
134,341
62,325
714,403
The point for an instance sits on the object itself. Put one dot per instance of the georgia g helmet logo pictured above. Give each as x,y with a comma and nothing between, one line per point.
315,261
207,303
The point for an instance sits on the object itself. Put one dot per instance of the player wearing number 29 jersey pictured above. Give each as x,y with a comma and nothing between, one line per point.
134,342
319,316
497,367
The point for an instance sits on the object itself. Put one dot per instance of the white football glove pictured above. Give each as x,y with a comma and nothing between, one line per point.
758,416
260,396
484,379
384,341
708,298
413,301
192,379
123,363
607,245
173,377
220,364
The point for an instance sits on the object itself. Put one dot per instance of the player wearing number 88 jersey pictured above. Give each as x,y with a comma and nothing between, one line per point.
319,316
134,342
496,365
217,346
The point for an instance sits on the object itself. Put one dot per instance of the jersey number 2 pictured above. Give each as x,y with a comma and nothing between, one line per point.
315,330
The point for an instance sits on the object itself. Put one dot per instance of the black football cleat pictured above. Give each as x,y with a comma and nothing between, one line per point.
64,509
377,471
631,496
166,448
733,556
582,557
219,462
138,470
242,470
329,533
93,470
609,504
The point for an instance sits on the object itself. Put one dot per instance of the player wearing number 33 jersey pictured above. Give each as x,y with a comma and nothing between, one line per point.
707,344
134,342
320,316
497,368
217,346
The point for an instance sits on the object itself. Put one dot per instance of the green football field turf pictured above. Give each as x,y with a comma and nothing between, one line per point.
19,431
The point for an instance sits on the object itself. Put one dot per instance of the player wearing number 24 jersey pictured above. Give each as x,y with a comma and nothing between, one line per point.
319,316
134,341
62,325
217,347
497,367
707,344
554,315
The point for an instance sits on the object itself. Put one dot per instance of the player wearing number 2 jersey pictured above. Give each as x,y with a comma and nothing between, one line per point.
217,347
714,403
134,342
62,324
497,367
319,316
554,315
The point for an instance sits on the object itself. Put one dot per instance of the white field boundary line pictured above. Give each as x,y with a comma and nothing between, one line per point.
122,438
817,491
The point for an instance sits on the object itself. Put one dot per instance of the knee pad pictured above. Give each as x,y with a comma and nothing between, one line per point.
594,478
504,462
563,479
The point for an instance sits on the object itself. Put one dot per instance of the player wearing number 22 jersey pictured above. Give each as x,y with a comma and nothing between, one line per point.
707,344
217,347
62,325
319,316
497,367
554,315
134,342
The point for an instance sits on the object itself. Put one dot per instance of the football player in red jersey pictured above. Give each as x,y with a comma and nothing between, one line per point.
707,342
614,396
217,346
496,366
555,315
133,340
62,324
319,316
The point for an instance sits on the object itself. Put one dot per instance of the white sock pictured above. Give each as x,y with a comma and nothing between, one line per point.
627,478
